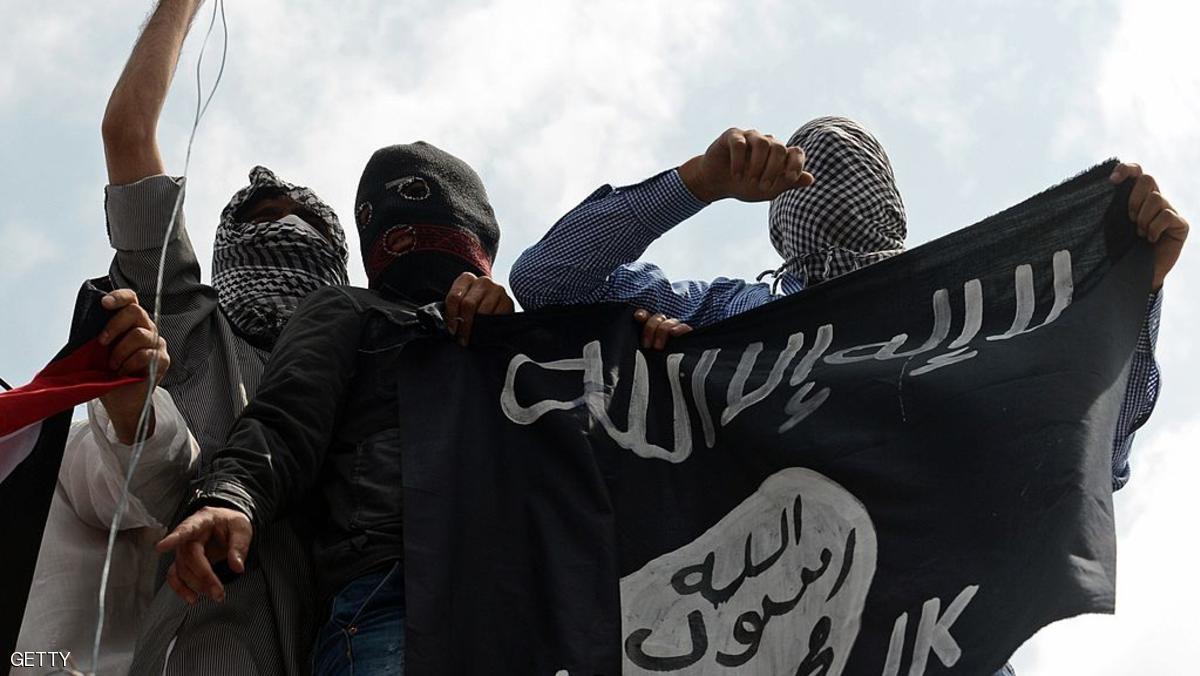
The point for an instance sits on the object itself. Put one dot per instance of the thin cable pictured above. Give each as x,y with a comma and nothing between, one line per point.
152,378
201,109
220,66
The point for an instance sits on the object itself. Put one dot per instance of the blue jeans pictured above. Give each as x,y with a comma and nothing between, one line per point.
365,632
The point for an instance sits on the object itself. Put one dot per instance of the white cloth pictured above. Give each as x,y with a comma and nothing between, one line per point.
64,597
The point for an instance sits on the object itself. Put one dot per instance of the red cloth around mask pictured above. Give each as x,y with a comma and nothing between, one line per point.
66,382
444,238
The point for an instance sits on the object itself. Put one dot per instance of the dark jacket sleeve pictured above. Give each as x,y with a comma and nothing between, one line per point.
277,446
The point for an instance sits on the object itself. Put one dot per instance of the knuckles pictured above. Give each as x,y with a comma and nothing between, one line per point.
134,311
125,296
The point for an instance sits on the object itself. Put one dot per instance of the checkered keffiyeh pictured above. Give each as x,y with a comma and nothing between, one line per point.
261,271
851,216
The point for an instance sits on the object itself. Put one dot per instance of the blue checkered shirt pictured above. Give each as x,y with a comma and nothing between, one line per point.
591,255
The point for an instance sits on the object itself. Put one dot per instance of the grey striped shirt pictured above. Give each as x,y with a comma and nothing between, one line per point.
265,624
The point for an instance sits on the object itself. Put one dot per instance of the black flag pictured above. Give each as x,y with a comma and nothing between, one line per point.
905,470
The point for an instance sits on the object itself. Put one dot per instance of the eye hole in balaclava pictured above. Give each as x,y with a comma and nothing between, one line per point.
852,214
267,258
410,188
362,215
423,218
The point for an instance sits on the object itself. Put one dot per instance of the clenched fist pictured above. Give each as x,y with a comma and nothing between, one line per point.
745,165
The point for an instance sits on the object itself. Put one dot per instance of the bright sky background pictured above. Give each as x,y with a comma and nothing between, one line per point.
979,105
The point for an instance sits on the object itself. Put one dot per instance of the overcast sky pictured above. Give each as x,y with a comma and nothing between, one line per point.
979,105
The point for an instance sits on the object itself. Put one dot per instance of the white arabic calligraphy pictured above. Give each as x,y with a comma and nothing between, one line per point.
596,397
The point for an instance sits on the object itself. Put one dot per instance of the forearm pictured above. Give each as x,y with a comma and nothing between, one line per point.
271,457
575,261
131,118
692,175
95,465
277,447
124,411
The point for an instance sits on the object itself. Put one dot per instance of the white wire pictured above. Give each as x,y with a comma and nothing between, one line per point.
152,377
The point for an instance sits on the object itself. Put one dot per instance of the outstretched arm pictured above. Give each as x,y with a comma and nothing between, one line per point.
589,255
141,204
1158,222
130,127
275,451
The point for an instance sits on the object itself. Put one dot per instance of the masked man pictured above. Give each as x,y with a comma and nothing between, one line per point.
835,208
321,436
275,243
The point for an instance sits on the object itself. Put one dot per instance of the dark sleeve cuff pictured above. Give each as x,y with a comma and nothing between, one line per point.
139,213
224,493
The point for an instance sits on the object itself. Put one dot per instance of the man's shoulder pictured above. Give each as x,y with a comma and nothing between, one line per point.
384,321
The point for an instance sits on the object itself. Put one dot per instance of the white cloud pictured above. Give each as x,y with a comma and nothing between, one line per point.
945,86
46,56
545,100
26,248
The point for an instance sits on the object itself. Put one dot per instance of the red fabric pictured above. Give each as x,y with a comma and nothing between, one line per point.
444,238
81,376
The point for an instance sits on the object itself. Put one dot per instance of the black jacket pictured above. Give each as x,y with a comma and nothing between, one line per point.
321,434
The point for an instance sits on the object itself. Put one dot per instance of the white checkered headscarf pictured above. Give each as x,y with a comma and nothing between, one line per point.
262,271
851,216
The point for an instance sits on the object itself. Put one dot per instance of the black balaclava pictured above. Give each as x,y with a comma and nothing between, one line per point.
851,216
261,271
441,202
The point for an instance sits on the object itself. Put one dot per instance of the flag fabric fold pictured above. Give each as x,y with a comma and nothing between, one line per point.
72,379
34,421
905,470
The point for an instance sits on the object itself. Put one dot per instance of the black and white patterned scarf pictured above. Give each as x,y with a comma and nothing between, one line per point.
851,216
262,271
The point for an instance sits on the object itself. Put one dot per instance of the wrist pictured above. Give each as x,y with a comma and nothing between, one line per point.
692,175
223,494
123,416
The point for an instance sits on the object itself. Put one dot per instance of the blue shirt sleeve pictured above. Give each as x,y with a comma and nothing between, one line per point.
591,253
1141,391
